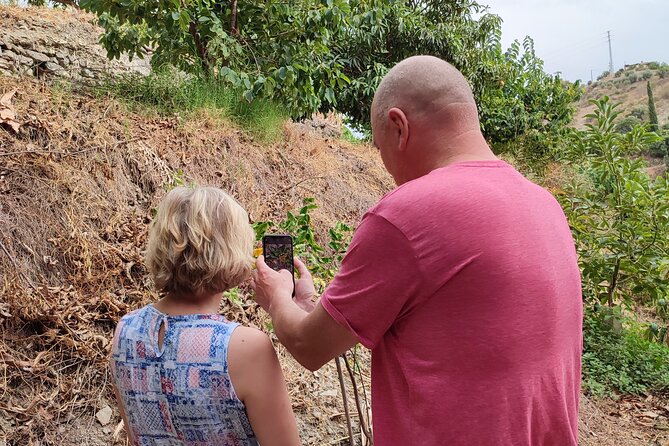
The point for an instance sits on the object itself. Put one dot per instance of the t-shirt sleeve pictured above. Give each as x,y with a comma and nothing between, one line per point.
378,280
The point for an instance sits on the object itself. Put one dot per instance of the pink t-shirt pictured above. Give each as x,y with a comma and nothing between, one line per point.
465,285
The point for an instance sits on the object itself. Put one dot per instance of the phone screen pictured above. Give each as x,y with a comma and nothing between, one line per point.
278,252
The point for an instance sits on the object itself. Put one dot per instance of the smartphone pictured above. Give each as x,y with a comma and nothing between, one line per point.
278,252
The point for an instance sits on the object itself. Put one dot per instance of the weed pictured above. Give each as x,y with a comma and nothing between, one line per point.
625,362
168,91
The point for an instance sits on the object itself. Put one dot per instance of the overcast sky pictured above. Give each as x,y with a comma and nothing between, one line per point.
570,35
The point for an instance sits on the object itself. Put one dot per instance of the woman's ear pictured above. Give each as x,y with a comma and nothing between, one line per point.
400,124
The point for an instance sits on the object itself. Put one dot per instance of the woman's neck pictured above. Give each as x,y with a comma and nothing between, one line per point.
182,304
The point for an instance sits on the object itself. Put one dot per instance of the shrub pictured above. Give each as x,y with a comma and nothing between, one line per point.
632,76
647,75
663,72
620,221
659,149
627,124
653,65
639,113
624,362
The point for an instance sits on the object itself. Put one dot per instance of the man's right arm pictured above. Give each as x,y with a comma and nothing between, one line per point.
312,338
378,278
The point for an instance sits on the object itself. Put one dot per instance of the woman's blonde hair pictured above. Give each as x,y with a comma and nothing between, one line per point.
200,241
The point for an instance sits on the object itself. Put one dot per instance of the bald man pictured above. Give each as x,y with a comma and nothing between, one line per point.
463,281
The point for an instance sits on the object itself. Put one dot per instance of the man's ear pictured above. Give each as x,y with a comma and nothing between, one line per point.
400,124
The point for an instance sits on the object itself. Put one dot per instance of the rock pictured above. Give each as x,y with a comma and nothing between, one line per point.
330,393
104,415
37,57
50,66
9,54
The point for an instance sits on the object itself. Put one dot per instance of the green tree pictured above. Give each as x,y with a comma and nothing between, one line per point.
619,216
514,94
319,55
271,49
652,112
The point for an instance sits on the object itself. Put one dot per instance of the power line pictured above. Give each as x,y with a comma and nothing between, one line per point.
579,45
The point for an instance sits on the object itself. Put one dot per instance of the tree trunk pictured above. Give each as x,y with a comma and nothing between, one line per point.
200,47
614,282
233,19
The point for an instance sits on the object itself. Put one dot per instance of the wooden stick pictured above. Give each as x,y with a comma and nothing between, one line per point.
343,394
361,416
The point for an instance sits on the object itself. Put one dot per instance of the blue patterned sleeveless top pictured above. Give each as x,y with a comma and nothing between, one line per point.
180,395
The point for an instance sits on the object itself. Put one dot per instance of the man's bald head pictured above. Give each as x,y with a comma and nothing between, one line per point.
423,87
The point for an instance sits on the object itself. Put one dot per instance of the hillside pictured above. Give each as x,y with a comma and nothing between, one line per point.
628,86
78,186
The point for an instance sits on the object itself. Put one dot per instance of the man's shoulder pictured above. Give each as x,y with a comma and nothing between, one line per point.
417,196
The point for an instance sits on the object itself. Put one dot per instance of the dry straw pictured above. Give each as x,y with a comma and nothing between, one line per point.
78,185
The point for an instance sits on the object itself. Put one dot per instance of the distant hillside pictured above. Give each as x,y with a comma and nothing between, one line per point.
628,86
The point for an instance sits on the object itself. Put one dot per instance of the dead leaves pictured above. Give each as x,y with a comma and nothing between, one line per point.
7,112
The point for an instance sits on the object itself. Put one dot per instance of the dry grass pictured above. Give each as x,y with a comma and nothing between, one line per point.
78,187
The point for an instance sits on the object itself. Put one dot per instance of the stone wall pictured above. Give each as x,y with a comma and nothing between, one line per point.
49,43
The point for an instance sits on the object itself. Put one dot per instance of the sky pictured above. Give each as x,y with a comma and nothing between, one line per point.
570,35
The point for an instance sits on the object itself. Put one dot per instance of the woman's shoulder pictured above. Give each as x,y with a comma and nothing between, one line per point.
251,356
250,344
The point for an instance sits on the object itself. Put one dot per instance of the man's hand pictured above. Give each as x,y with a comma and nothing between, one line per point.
305,292
269,285
309,333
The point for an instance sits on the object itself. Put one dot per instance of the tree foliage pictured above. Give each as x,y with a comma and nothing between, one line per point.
652,111
619,216
319,55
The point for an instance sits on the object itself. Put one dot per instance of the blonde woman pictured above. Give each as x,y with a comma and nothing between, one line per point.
183,374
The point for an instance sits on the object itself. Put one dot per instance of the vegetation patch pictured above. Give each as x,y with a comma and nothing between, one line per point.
171,92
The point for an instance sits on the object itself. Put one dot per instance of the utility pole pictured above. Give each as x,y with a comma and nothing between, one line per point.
610,54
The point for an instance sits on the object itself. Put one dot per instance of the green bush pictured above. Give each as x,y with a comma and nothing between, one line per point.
647,75
623,362
620,220
639,113
627,124
653,65
658,149
169,91
632,76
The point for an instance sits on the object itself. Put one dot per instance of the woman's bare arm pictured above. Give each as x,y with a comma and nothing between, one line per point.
123,415
256,375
